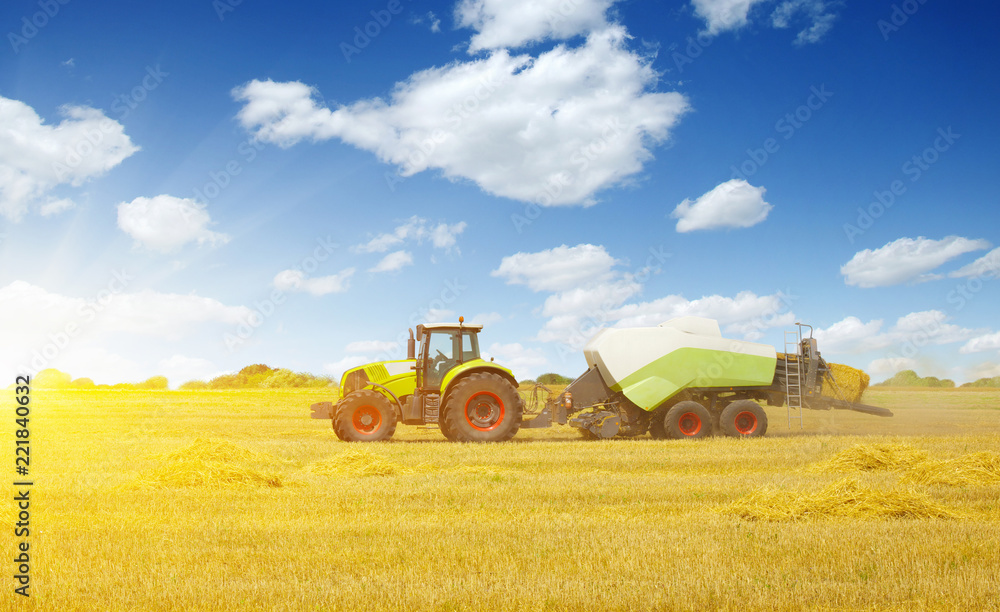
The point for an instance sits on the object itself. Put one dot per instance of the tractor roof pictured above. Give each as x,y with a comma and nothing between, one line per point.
443,326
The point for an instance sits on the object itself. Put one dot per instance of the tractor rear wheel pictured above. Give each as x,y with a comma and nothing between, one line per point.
364,416
744,419
483,407
449,434
688,420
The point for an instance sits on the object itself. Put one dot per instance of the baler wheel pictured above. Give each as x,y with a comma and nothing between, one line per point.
744,419
688,420
364,416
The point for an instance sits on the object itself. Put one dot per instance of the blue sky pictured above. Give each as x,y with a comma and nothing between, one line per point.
189,188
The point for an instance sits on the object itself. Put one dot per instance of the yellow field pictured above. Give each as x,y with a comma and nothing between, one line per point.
236,500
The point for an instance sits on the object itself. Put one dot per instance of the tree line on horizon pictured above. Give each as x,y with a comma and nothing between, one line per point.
257,376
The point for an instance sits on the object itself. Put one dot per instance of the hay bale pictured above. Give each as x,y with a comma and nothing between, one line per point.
358,462
871,457
843,499
848,383
973,470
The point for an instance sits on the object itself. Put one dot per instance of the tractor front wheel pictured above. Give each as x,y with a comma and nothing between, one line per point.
364,416
688,420
744,419
483,407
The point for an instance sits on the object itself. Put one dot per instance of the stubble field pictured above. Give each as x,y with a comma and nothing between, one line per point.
215,500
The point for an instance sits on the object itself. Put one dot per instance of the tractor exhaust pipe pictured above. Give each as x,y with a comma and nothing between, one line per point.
411,346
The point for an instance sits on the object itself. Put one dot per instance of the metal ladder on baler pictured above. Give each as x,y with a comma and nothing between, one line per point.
793,376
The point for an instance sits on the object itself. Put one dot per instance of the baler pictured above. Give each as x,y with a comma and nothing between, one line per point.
682,379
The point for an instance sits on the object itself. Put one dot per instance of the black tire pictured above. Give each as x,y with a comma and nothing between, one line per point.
744,419
658,424
688,421
364,416
449,434
483,407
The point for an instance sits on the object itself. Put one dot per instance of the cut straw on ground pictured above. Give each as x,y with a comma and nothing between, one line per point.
212,463
871,457
973,470
843,499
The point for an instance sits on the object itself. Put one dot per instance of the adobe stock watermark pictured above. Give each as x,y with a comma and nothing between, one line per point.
218,180
581,159
787,126
125,103
898,17
32,24
87,313
694,49
223,7
914,168
265,308
967,290
365,34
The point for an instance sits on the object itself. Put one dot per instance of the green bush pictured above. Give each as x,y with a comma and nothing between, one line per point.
909,378
554,379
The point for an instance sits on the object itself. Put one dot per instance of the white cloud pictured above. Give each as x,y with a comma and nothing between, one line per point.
746,314
444,236
515,23
337,368
817,15
850,335
735,203
987,266
295,280
372,346
414,229
525,362
180,369
814,16
35,157
987,369
54,206
393,261
905,260
985,342
588,294
915,330
890,366
67,331
723,15
553,129
439,315
166,223
557,269
486,318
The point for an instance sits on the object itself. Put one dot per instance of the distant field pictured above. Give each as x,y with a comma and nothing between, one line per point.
270,511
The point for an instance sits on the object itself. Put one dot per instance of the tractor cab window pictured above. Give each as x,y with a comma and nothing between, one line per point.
470,347
440,357
444,351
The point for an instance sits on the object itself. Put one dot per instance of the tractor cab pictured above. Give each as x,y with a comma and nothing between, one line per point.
444,346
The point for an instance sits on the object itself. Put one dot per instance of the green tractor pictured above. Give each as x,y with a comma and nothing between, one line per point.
446,383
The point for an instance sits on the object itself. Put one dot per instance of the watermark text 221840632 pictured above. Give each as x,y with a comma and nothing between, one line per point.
22,486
